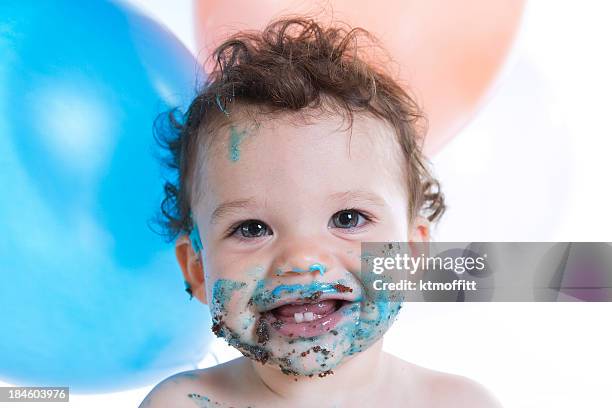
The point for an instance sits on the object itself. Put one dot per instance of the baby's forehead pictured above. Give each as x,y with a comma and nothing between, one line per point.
301,132
264,151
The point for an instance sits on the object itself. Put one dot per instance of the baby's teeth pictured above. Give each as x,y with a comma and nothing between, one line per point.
303,317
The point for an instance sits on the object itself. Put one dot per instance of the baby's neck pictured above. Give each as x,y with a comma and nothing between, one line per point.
361,372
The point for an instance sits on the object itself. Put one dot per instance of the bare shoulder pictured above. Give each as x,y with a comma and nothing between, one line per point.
195,388
173,391
449,390
437,389
179,390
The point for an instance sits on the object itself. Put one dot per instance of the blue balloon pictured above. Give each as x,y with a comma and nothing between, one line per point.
90,296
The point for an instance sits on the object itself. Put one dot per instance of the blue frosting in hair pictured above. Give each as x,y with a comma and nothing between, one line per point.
194,236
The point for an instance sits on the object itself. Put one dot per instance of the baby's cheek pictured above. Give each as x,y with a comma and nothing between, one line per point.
351,259
376,318
229,306
351,263
234,316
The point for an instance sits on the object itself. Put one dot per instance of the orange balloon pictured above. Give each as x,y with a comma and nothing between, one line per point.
449,51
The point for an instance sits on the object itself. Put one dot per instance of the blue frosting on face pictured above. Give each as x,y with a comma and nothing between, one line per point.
317,267
223,290
313,268
194,237
263,297
305,290
365,322
236,138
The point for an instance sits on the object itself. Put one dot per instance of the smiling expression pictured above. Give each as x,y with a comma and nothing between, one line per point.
281,214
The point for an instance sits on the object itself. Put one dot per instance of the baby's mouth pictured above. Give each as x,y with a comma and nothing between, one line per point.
306,312
308,318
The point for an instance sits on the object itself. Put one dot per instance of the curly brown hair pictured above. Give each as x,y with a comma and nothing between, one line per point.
292,65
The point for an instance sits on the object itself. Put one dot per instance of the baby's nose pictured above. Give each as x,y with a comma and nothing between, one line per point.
302,258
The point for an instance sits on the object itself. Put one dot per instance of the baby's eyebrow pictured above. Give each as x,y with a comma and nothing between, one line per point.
228,207
359,196
350,196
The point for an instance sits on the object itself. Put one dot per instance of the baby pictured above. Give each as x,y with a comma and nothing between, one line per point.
296,151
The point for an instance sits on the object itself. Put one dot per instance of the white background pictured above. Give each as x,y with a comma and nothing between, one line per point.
533,165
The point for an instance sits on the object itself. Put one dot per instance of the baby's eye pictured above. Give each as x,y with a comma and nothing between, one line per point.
252,229
348,219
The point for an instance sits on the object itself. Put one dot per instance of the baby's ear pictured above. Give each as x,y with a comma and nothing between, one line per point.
191,266
419,230
418,236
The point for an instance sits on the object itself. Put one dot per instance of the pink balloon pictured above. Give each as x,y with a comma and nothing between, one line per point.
449,52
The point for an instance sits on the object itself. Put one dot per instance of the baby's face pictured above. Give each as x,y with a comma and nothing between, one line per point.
282,213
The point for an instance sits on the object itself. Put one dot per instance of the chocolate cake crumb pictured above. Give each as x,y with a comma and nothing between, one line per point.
340,288
263,332
326,373
277,324
255,353
288,371
217,326
315,295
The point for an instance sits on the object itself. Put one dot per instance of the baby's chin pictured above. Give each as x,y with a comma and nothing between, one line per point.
315,347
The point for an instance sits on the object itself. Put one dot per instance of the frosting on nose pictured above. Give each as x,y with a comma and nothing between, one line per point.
312,268
315,267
